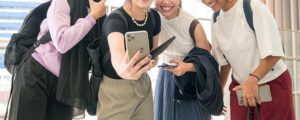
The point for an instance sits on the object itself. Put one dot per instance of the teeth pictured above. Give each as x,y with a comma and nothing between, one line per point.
166,8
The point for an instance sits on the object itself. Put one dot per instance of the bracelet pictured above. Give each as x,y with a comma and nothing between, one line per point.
255,76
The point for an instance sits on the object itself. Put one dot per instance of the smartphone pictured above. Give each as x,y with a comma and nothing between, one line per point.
135,41
167,66
264,93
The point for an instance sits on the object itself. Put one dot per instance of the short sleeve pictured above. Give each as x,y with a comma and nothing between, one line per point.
216,51
157,23
113,23
266,30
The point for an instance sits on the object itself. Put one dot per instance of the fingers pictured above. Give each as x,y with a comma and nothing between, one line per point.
135,58
257,99
145,68
245,101
224,110
237,88
144,62
251,100
174,61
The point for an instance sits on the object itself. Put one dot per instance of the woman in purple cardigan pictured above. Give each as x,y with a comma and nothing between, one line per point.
42,88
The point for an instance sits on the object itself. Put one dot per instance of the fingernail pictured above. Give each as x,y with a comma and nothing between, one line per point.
141,51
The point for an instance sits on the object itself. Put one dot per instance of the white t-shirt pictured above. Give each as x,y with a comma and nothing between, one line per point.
233,38
183,43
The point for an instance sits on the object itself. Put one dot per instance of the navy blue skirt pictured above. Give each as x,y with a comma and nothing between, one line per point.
167,108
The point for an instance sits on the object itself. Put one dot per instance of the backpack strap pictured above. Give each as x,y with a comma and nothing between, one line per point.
44,39
152,17
248,13
215,15
117,11
192,28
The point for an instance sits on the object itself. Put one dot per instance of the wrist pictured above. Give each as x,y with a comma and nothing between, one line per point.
94,15
255,76
190,67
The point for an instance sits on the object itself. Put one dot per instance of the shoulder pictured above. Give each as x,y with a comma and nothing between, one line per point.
60,5
114,15
155,14
186,15
258,7
115,18
256,3
260,10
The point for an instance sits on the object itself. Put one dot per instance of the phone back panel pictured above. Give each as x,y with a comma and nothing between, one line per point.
135,41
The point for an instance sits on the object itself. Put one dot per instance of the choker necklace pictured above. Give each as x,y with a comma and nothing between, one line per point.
138,24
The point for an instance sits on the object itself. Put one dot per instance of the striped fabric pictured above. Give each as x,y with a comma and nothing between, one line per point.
167,108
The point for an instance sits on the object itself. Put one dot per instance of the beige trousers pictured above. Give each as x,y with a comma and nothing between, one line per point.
125,99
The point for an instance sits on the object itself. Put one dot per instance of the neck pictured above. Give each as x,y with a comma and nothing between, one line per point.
228,4
136,12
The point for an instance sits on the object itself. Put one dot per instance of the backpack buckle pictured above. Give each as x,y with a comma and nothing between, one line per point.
37,43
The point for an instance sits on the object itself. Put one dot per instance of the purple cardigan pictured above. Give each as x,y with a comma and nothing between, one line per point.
64,36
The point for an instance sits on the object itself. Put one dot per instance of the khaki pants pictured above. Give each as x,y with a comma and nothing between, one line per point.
125,99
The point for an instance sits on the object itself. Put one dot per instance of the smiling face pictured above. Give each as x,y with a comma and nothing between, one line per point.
215,5
168,8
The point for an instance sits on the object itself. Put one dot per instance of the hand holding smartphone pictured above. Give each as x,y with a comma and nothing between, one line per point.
135,41
264,93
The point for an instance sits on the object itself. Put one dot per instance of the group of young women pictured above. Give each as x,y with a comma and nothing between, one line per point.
125,92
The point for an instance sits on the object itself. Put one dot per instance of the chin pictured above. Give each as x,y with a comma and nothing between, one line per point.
144,6
166,14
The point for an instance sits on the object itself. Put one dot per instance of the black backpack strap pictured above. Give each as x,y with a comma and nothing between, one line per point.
106,58
44,39
152,17
122,16
215,15
192,28
248,13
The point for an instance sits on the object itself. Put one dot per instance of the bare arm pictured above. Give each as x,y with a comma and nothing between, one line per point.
250,87
131,69
201,42
265,66
224,74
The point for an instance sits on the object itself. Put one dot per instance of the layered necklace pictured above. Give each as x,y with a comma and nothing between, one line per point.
138,24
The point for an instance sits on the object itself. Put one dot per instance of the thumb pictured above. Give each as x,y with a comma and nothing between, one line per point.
174,61
237,88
